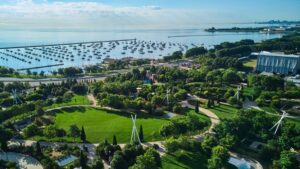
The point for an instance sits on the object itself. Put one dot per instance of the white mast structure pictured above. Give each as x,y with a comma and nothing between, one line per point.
279,122
15,96
167,96
134,133
238,93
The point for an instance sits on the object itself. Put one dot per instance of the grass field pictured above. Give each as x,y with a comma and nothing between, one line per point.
182,159
201,116
76,100
250,63
224,111
102,124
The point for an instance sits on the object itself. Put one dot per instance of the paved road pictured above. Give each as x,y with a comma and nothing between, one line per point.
22,160
37,82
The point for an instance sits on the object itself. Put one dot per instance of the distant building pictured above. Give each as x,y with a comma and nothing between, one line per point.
278,63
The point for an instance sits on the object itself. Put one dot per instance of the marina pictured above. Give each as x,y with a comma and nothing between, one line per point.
47,51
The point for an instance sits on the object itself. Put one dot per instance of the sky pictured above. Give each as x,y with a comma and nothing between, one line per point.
144,14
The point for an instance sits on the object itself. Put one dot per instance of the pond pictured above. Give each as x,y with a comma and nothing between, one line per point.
240,163
66,160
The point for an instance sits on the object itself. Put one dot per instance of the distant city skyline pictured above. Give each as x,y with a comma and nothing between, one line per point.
123,14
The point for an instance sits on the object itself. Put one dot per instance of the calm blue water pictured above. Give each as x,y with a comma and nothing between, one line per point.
240,164
149,44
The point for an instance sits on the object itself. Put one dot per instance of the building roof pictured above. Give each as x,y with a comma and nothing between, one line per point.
265,53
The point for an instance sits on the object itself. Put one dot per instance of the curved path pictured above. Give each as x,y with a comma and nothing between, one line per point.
22,160
92,147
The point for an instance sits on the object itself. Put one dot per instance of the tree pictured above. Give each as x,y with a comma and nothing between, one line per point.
40,111
219,158
83,160
195,51
208,104
197,107
208,143
152,152
157,100
82,135
80,89
30,130
3,145
38,149
74,131
50,131
150,160
228,141
98,164
287,160
115,140
230,76
118,161
42,73
141,133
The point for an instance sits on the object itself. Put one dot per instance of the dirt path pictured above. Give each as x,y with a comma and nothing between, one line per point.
92,99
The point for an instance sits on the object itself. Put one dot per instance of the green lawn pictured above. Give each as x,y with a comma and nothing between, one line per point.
269,109
201,116
183,159
250,63
100,124
224,111
76,100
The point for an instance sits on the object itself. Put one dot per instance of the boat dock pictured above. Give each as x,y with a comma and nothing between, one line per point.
38,67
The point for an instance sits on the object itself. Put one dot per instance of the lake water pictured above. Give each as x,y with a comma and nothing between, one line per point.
148,44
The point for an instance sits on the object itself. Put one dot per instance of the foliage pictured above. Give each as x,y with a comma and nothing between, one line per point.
195,51
219,158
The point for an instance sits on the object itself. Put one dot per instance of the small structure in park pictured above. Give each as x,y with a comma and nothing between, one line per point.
15,96
134,133
278,63
279,123
167,96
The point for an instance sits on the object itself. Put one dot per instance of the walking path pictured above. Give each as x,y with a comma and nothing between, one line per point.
92,147
22,160
37,82
92,99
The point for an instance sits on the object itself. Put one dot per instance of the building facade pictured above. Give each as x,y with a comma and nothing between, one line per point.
278,63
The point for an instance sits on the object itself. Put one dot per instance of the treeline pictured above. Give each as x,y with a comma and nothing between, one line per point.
7,71
132,156
255,125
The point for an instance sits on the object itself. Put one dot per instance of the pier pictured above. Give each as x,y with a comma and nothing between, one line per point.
182,36
38,67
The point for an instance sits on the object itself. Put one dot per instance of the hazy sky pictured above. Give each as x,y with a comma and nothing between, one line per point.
120,14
